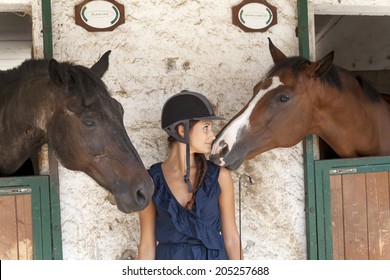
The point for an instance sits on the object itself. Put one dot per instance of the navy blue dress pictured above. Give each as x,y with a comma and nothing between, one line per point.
188,234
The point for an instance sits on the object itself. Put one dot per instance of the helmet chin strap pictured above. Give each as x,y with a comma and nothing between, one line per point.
187,139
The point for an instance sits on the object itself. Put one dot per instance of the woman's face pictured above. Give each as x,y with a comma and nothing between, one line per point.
201,137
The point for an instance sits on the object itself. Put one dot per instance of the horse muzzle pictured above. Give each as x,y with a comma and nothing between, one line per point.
224,156
137,199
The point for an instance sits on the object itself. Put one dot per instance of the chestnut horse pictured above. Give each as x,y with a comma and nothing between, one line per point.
68,106
298,97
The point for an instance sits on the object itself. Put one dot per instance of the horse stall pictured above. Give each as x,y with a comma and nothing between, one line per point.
285,197
354,214
24,198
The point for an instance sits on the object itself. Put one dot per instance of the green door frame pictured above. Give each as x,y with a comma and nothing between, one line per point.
309,175
53,164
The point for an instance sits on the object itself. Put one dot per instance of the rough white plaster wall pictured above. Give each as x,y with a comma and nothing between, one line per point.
164,47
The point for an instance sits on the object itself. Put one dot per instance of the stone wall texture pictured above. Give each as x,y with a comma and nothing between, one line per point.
166,46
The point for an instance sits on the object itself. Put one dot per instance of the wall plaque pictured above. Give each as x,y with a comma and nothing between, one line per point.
254,15
99,15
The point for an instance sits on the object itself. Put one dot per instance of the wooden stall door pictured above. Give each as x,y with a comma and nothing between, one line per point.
16,227
352,209
25,218
361,216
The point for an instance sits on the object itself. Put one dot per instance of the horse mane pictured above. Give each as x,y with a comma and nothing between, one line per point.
28,67
331,78
372,93
80,77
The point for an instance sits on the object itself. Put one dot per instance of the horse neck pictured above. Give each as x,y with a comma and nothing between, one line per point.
348,122
24,112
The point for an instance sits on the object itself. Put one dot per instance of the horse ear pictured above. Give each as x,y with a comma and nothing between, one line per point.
101,66
277,55
322,66
57,73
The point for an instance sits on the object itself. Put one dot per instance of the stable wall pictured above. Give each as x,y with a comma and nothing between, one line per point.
163,48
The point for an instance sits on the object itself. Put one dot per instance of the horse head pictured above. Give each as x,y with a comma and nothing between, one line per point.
278,115
87,133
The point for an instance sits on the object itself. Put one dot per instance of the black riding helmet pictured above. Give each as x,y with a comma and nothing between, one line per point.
183,108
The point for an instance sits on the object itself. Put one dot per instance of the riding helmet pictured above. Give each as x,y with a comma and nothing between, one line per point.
183,107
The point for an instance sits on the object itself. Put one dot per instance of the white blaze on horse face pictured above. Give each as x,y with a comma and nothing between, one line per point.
230,133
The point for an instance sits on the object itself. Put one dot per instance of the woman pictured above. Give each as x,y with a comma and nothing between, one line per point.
192,213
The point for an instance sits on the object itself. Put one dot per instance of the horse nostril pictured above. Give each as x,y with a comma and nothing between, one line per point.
140,197
224,150
222,144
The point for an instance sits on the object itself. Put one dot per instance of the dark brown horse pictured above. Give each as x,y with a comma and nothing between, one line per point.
68,106
298,97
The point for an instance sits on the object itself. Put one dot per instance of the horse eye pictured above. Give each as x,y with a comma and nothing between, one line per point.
282,98
89,123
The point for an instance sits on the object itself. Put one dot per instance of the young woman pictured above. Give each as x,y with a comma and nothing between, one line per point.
192,214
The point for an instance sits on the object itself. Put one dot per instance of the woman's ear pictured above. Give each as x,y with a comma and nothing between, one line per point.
180,130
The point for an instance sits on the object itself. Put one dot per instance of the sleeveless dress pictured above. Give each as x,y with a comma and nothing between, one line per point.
184,234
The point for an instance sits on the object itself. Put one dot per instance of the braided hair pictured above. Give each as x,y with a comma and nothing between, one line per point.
201,168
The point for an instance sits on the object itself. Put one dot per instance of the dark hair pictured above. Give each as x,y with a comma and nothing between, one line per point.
201,168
